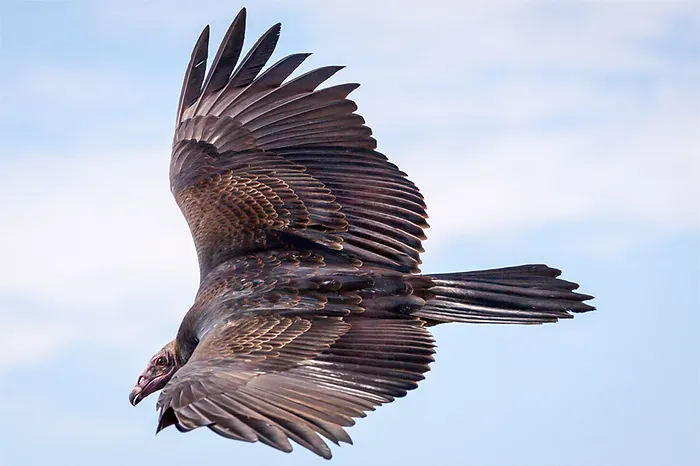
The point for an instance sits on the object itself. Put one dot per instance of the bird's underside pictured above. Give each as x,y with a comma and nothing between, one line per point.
311,309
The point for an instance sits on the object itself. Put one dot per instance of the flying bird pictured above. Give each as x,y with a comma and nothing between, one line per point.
311,308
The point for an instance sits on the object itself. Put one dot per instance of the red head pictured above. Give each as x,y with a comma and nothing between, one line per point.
159,371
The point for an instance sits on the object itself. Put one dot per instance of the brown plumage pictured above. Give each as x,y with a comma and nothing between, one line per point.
311,310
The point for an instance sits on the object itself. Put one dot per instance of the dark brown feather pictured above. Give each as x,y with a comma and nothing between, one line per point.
194,76
226,56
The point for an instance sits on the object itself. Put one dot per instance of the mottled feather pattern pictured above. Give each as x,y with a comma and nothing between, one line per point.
303,284
311,310
227,211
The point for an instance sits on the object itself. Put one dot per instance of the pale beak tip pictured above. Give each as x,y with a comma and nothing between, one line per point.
135,396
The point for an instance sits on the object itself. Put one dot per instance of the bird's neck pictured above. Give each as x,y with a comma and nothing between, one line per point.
186,344
187,336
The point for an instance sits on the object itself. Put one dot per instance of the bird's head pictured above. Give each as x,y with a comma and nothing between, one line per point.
158,372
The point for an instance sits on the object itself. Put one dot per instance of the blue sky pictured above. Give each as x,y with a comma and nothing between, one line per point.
560,133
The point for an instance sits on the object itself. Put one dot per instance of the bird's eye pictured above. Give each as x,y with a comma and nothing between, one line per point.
160,361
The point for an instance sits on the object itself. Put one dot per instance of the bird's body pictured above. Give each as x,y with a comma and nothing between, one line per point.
311,308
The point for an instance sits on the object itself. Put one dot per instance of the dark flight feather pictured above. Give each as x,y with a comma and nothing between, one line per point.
227,55
194,76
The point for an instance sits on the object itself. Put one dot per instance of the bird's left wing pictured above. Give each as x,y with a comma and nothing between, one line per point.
273,378
256,154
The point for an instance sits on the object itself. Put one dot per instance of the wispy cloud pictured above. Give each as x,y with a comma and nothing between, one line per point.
91,241
639,172
30,340
59,85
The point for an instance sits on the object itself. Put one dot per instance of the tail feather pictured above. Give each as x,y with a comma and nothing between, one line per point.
526,294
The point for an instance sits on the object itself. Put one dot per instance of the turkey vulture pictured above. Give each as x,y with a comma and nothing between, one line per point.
311,309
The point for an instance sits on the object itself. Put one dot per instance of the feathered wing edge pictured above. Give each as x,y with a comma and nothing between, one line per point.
194,75
237,109
194,84
294,394
198,90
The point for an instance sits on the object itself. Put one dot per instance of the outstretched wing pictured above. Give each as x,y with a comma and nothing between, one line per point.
274,378
255,154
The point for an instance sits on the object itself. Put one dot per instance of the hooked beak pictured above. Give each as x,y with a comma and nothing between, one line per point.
136,394
148,383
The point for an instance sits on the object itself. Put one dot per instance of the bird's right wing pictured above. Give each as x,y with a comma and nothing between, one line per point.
273,378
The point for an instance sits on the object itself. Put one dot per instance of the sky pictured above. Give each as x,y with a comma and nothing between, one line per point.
564,133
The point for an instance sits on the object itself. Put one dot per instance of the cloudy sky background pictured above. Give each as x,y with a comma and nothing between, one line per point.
563,133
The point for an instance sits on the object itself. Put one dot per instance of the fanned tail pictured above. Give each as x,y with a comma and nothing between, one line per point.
526,294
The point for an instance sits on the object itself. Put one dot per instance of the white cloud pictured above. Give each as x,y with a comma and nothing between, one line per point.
57,84
644,174
584,36
86,227
98,240
17,349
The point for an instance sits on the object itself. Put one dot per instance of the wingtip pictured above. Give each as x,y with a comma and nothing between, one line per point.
240,17
248,69
324,453
167,418
203,37
202,42
275,29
